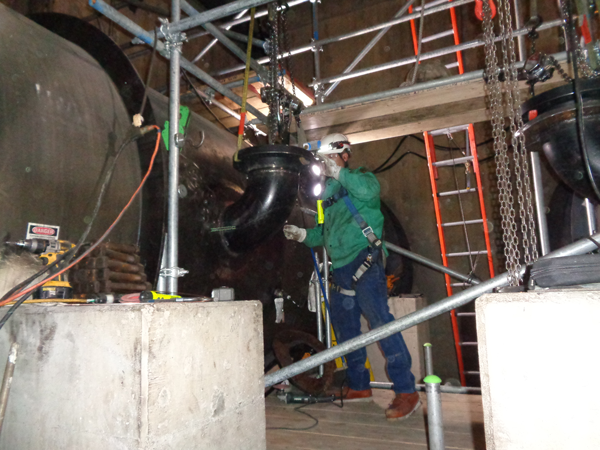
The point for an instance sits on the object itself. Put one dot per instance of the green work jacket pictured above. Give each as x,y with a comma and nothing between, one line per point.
340,232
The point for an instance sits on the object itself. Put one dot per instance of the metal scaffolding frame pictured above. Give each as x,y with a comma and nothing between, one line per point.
170,48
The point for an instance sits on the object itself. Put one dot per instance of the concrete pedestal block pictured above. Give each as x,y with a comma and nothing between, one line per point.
538,356
141,376
414,337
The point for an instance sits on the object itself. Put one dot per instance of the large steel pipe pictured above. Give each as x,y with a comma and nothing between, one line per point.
550,127
272,173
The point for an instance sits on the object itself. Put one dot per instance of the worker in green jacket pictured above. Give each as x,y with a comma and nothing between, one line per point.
351,232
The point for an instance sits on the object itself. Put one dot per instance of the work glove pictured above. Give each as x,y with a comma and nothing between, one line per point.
294,233
330,168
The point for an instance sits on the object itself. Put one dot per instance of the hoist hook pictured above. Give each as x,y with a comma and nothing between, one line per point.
479,9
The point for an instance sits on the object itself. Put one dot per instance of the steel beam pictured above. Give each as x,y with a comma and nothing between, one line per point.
368,47
220,36
211,44
237,21
432,264
213,14
102,7
429,55
244,38
321,42
443,306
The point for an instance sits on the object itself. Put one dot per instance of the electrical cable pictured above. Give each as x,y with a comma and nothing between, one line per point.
381,169
400,159
460,204
447,149
82,301
392,155
184,74
22,295
107,179
149,76
297,409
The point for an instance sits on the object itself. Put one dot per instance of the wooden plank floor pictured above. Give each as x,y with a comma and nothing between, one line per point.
363,425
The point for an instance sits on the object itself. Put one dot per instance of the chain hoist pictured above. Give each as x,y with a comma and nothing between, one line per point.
509,101
540,67
283,106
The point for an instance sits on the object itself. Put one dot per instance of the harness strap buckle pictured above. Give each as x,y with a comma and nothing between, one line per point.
367,231
341,290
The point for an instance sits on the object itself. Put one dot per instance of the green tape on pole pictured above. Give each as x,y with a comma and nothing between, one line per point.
427,345
184,120
432,379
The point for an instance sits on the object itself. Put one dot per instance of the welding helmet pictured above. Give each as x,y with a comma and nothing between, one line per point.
334,143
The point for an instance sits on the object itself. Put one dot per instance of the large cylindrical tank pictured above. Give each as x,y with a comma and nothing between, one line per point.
61,122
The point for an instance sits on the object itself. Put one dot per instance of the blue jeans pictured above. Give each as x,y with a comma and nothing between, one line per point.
370,300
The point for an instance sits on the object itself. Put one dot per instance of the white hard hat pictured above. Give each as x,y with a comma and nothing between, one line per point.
334,143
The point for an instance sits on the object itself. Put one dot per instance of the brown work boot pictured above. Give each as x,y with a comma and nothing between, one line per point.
403,406
350,395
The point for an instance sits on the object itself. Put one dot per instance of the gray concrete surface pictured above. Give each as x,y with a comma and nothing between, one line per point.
124,377
414,337
539,363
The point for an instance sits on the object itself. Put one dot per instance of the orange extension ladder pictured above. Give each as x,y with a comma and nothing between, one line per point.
433,173
433,164
453,32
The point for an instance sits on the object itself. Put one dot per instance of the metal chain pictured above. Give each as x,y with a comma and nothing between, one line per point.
523,182
559,68
494,95
273,80
286,43
584,68
521,165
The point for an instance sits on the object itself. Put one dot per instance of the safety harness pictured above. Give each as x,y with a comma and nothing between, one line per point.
375,243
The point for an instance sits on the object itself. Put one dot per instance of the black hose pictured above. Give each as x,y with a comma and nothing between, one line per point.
107,178
393,153
398,160
12,309
149,76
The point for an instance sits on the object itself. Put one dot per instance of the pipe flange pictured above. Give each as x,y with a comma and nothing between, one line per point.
280,157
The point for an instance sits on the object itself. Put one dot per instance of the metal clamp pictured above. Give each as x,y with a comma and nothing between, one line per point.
172,40
174,272
315,47
179,140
